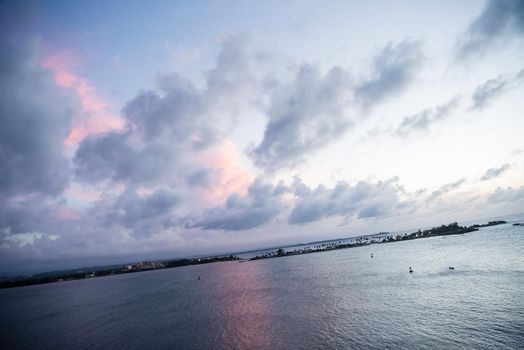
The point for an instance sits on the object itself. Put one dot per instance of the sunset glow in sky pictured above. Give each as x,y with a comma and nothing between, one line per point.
132,129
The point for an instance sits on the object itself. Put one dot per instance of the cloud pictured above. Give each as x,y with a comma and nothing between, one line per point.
178,110
95,118
394,69
142,215
172,139
305,115
240,69
423,120
499,20
200,177
364,200
444,190
262,203
493,88
22,215
314,110
158,130
167,131
115,157
224,172
35,120
508,194
517,151
495,172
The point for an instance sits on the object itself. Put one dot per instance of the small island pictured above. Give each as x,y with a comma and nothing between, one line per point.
490,223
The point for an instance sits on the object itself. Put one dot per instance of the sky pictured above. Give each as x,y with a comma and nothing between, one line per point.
133,130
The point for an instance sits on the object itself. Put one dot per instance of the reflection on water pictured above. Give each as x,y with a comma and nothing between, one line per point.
244,319
338,299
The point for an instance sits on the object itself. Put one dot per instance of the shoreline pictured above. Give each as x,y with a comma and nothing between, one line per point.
318,247
443,230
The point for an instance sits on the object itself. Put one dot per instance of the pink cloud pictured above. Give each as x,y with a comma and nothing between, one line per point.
79,194
232,177
66,214
97,118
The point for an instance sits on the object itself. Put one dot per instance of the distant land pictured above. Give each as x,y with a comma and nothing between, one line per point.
444,230
313,247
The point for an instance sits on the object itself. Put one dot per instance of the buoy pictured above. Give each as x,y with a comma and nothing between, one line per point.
410,270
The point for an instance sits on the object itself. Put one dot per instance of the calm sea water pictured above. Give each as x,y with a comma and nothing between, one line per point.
332,300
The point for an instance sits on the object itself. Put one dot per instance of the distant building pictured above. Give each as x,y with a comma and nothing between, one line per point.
146,264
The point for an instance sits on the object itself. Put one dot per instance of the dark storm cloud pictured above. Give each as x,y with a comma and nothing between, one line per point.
495,172
493,88
394,69
262,203
508,194
304,116
172,111
364,200
445,189
499,19
423,120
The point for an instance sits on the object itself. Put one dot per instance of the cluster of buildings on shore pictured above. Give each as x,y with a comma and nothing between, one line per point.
144,265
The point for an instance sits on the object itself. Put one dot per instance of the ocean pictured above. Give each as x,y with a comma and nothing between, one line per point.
331,300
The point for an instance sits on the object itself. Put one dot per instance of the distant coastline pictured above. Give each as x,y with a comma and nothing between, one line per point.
444,230
314,247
